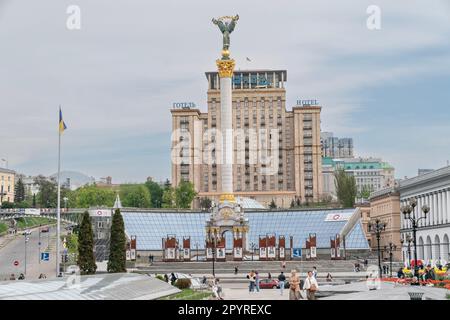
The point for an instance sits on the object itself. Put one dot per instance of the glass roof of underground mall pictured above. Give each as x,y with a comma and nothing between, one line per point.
150,227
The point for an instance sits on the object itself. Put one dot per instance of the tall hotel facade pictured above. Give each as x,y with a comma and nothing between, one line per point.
289,170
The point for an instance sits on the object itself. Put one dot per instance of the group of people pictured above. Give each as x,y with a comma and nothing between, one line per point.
172,278
13,277
254,281
297,286
427,274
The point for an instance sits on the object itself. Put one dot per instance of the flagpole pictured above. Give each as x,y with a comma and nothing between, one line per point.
58,207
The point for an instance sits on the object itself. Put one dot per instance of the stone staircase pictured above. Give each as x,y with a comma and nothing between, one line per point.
341,270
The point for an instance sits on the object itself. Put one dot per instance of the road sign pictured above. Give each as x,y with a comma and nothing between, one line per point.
16,263
297,252
45,256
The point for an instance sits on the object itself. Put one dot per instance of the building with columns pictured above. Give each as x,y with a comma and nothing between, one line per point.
432,189
277,152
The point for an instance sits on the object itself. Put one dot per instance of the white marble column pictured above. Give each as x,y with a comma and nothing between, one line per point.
431,196
436,208
447,207
226,125
419,207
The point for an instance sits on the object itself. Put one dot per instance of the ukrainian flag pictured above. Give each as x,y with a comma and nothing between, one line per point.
62,125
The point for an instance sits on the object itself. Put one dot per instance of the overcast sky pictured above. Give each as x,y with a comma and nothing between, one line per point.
117,77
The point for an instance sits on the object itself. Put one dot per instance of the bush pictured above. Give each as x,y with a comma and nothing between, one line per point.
160,277
183,283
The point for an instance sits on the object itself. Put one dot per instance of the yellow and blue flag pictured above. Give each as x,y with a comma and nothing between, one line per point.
62,125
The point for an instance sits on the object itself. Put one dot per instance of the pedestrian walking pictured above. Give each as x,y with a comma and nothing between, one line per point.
251,278
329,277
21,277
311,286
314,272
257,280
173,278
283,265
217,289
281,281
166,278
269,276
236,270
294,286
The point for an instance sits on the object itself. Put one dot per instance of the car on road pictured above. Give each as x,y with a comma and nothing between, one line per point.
286,284
45,229
268,284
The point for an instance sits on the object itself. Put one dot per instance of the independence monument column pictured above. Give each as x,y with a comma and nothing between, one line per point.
225,67
227,216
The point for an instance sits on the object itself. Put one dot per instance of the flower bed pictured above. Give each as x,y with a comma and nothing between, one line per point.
435,283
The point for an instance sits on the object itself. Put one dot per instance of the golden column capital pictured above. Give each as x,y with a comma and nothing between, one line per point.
227,197
226,68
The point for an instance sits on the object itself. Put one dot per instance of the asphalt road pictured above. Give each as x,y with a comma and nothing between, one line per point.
15,251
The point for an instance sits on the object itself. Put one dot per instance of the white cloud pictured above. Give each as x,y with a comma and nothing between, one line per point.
119,74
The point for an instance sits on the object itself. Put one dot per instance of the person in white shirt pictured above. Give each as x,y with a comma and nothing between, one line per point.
311,286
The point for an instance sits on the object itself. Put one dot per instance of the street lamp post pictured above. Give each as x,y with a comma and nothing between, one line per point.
392,247
408,240
25,260
196,249
377,227
253,246
409,213
214,242
65,202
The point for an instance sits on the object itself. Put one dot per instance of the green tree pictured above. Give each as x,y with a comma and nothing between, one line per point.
19,191
34,200
184,194
135,196
167,184
7,205
117,247
156,193
365,192
205,203
292,204
86,259
47,195
272,204
168,198
91,196
345,188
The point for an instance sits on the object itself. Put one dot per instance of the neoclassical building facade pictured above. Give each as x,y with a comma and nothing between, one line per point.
432,189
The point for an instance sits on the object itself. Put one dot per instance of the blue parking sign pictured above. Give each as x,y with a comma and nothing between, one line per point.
45,256
297,252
